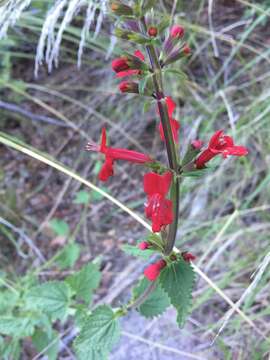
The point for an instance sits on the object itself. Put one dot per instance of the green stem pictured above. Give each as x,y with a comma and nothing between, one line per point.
169,142
141,299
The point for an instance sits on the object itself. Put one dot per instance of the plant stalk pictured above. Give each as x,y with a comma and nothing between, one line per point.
169,142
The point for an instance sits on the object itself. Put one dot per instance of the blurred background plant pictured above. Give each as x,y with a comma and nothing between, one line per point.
57,91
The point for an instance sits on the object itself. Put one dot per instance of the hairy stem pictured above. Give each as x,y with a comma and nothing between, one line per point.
169,142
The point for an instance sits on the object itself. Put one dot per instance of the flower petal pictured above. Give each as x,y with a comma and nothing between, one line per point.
157,184
139,55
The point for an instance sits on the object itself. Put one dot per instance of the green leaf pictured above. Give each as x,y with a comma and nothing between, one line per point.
82,197
178,280
18,327
96,196
179,73
52,297
156,303
91,354
60,227
68,256
85,281
198,173
42,341
135,251
8,300
100,332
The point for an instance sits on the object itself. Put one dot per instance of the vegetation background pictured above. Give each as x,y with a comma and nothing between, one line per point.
51,224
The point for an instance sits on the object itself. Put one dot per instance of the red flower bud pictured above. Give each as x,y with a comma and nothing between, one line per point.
120,64
129,87
197,144
186,50
188,256
177,31
152,31
143,245
152,271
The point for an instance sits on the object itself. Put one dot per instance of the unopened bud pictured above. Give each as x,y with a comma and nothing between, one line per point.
121,9
143,245
120,64
177,31
129,87
188,256
197,144
152,31
186,50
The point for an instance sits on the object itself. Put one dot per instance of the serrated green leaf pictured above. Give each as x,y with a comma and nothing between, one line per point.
100,332
52,297
60,227
135,251
8,300
156,303
85,281
177,280
18,327
42,341
82,197
68,256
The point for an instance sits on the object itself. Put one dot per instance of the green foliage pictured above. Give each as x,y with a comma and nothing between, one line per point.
82,197
68,256
8,300
100,332
52,297
177,279
60,227
156,303
85,281
16,326
42,340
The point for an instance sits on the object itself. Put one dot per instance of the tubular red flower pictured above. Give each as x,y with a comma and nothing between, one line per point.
152,271
175,126
158,208
177,31
219,144
112,154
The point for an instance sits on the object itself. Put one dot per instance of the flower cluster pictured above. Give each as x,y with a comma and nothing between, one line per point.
158,182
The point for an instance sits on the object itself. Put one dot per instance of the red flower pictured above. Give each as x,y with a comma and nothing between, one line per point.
219,144
125,66
158,208
112,154
175,126
143,245
177,31
152,271
188,256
